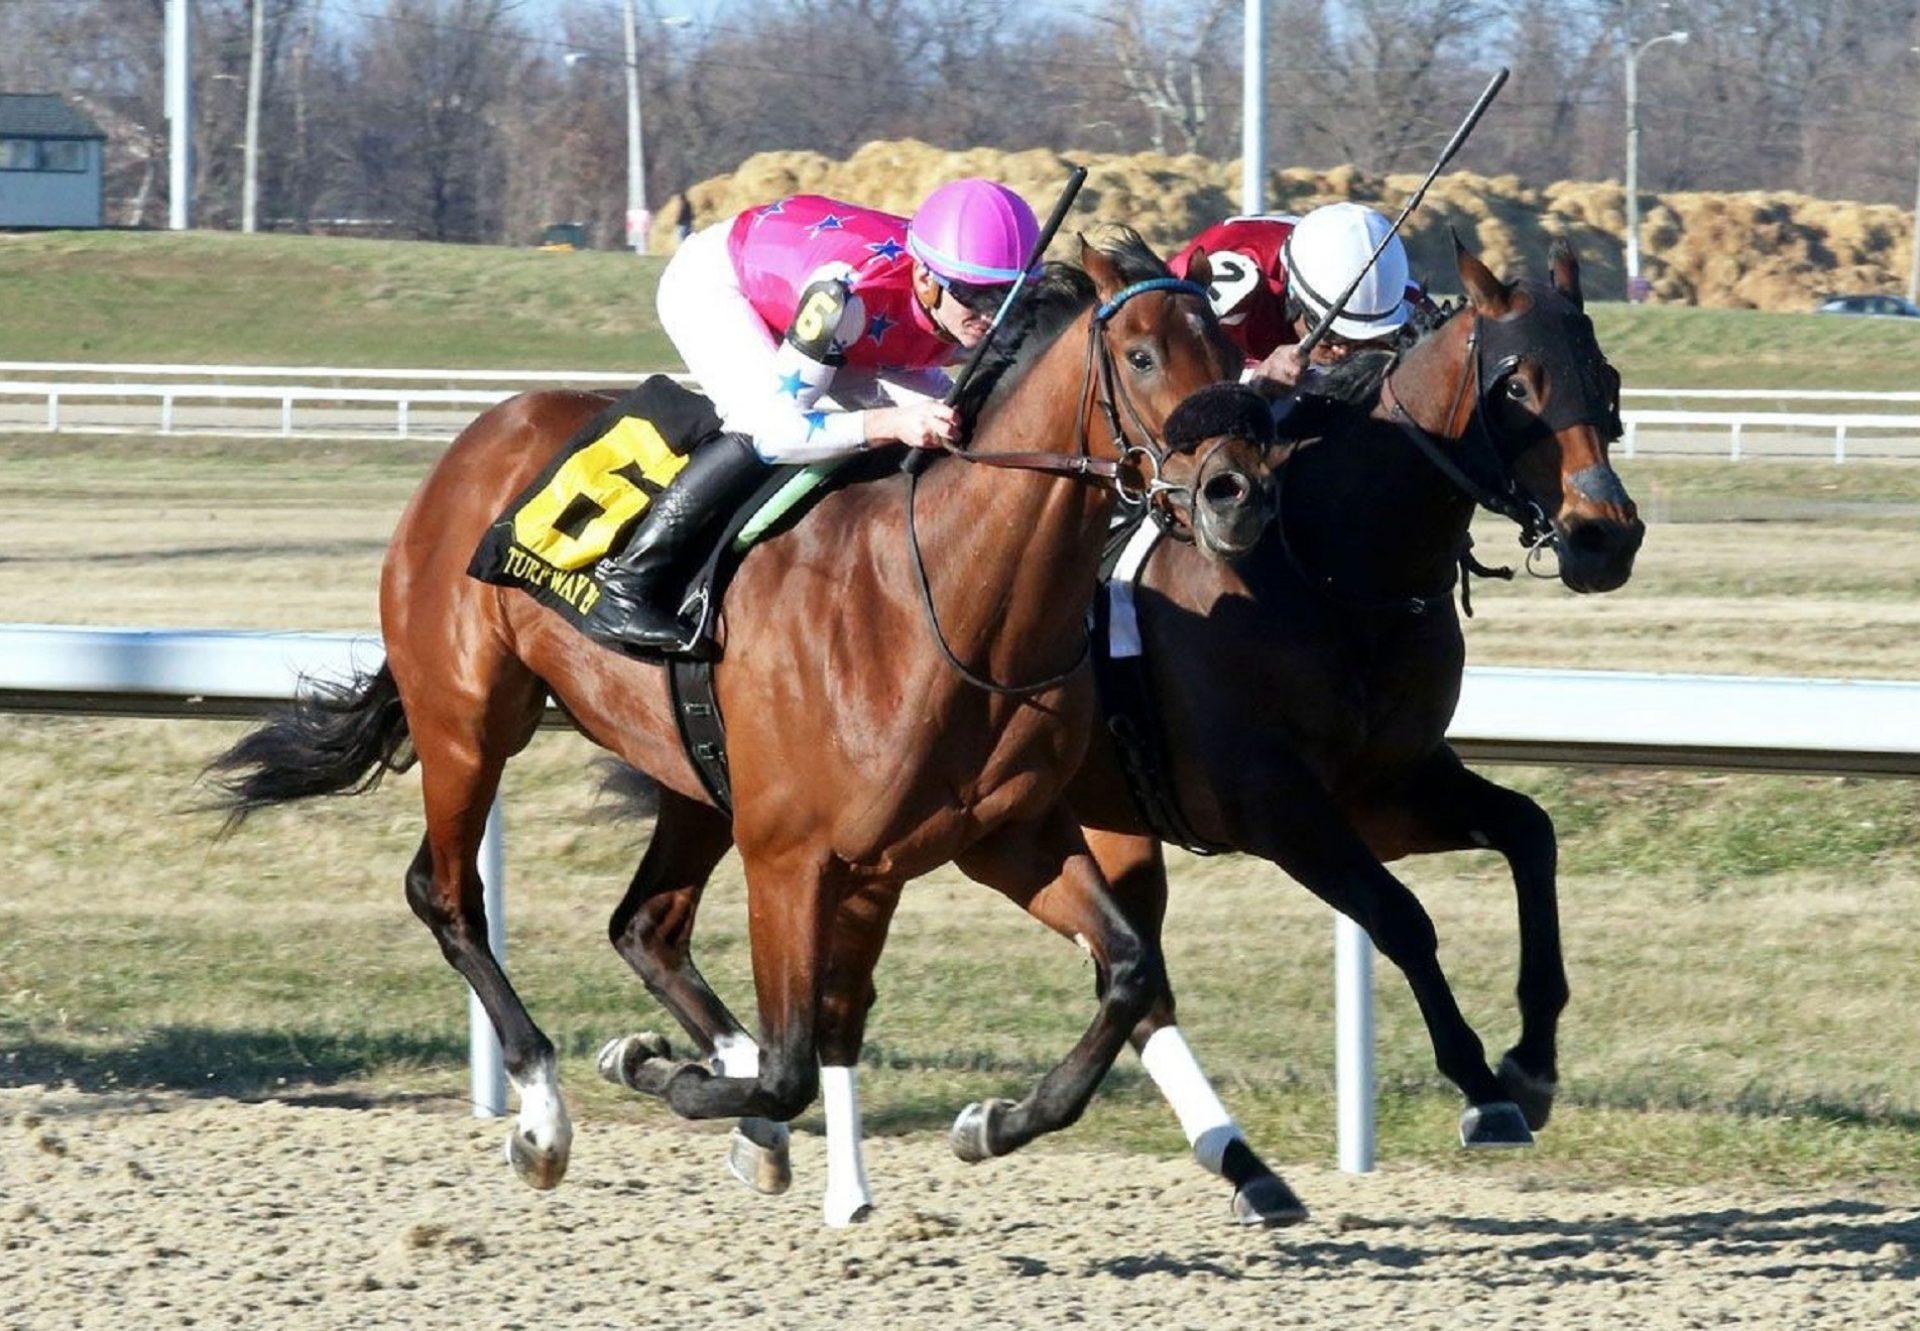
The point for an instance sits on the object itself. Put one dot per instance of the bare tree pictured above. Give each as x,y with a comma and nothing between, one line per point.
1169,58
426,143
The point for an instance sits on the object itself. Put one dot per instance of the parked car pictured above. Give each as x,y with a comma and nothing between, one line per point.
1884,305
563,237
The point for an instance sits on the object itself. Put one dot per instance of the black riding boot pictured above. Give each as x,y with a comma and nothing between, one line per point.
630,611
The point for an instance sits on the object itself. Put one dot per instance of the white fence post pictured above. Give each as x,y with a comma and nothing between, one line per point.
1840,442
1733,452
487,1075
1353,1044
53,412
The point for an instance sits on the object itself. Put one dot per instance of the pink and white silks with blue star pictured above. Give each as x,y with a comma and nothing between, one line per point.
731,293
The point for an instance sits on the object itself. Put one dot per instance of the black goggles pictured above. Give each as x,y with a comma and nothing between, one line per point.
979,299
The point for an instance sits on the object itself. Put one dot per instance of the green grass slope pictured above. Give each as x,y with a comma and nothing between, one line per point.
219,297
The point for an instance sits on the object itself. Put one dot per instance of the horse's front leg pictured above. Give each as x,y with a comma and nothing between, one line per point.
652,929
1136,870
847,995
1279,811
1046,868
1443,806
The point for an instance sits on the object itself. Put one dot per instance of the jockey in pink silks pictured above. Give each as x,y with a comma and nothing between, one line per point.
818,329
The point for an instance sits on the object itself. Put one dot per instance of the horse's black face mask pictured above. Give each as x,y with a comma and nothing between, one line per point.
1583,389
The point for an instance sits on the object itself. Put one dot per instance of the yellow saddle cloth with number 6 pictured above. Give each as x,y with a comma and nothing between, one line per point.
583,506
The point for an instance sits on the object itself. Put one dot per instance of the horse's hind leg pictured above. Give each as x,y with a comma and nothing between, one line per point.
652,929
791,900
1135,866
460,766
1443,807
1045,868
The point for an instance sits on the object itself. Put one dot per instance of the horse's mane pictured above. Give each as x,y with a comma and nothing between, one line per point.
1045,308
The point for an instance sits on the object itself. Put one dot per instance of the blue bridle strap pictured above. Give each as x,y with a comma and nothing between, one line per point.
1125,294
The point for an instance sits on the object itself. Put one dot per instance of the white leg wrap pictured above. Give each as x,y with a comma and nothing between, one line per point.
848,1196
1205,1120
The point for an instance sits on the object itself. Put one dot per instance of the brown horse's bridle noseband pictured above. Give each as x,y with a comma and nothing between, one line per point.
1508,499
1134,474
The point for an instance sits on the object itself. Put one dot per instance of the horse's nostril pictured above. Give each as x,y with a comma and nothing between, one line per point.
1226,490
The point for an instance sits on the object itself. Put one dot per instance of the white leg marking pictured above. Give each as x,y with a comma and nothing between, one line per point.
736,1056
543,1114
739,1056
848,1197
1205,1120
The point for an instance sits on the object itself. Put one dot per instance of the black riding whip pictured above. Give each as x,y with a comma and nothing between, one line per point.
1334,310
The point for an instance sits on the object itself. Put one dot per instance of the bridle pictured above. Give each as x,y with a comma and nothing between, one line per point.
1467,459
1133,475
1504,495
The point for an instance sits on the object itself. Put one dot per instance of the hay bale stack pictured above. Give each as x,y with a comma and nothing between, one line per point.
1751,250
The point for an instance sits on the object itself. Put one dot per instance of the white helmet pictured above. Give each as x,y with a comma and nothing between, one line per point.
1327,249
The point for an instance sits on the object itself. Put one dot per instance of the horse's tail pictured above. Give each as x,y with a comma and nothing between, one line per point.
338,739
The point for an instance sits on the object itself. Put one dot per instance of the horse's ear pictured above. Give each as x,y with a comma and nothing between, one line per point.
1565,267
1200,268
1106,277
1486,293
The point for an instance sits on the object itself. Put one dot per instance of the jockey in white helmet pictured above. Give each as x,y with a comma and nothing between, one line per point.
1275,277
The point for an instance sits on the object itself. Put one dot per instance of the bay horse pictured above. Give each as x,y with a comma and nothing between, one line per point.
1342,624
865,748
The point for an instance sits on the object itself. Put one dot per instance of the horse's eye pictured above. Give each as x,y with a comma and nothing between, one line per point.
1140,359
1517,389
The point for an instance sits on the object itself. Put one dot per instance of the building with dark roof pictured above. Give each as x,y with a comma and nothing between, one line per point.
51,158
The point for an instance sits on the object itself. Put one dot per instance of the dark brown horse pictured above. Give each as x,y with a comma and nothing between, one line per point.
1342,623
861,757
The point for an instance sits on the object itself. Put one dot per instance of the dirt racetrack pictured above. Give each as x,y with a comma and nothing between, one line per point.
167,1211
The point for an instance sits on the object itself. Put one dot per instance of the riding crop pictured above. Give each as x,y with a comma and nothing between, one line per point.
1334,310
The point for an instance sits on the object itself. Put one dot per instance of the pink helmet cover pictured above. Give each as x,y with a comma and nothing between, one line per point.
974,231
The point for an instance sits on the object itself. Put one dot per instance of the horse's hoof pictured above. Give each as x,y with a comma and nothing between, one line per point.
768,1170
1267,1201
1533,1094
859,1215
538,1169
973,1131
1494,1126
621,1058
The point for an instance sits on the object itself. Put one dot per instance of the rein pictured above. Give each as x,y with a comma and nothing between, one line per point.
1082,465
1509,501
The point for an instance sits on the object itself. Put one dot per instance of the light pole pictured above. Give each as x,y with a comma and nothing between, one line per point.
1253,108
1633,154
1913,267
639,219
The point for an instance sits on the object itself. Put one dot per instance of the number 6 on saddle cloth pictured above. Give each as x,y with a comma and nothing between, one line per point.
588,500
583,506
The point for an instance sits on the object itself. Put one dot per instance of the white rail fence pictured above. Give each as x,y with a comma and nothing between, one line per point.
1840,727
82,398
